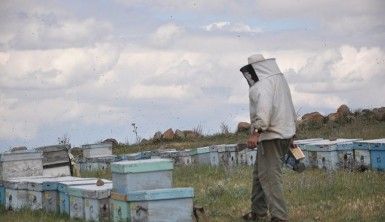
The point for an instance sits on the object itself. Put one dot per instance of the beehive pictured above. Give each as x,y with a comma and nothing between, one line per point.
160,205
302,145
62,187
20,164
97,150
345,153
214,155
2,193
377,154
242,154
141,175
90,202
56,160
201,155
251,157
323,154
184,157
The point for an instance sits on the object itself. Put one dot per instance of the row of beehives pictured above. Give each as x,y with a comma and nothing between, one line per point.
139,191
344,153
225,154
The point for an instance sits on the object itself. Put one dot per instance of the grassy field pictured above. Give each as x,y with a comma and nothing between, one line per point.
314,195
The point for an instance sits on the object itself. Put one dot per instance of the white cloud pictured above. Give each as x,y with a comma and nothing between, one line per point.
167,33
231,27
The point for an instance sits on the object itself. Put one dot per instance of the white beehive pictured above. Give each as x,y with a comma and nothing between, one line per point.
201,155
141,175
90,202
184,157
214,155
21,164
56,160
97,150
251,157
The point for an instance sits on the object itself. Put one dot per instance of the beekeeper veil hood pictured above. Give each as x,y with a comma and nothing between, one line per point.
259,68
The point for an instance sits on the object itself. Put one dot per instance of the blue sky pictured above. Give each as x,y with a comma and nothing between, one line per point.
88,69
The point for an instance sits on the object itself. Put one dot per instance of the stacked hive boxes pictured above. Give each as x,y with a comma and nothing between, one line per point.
96,157
142,191
56,160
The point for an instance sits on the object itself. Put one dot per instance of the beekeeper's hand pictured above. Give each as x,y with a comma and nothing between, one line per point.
253,140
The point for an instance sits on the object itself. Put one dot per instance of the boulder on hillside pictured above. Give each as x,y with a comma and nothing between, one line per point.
189,134
111,140
243,127
314,118
157,136
379,113
168,135
179,134
343,110
333,117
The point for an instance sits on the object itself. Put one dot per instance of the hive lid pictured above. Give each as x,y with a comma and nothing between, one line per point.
52,184
157,194
21,155
139,166
91,191
97,146
63,185
54,148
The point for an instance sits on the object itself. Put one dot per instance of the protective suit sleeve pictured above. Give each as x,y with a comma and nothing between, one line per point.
261,108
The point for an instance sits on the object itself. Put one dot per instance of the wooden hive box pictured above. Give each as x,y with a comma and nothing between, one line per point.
21,164
302,145
141,175
201,155
241,154
90,202
361,153
97,150
160,205
214,155
251,156
42,194
2,193
345,153
184,157
16,192
231,150
377,154
62,188
56,161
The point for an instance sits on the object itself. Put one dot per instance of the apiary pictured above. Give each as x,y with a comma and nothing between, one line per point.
160,205
141,175
90,202
201,155
62,187
21,163
97,150
214,155
377,154
184,157
56,160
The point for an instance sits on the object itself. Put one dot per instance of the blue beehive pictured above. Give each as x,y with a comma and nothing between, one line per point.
2,194
377,154
361,153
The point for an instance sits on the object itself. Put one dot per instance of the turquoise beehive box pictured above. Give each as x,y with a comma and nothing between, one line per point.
201,155
141,175
2,194
160,205
62,187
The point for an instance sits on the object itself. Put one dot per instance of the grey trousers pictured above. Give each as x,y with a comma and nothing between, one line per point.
267,190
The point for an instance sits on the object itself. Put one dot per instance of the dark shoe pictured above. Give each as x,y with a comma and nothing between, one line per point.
251,216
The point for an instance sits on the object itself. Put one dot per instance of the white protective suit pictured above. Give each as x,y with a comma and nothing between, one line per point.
271,106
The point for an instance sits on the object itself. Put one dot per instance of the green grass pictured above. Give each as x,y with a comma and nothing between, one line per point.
314,195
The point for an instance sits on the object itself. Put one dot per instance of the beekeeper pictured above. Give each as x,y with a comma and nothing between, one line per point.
272,118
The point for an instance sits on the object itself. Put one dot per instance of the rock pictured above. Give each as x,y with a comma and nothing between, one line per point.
143,141
314,118
111,140
379,113
179,134
333,117
189,134
243,127
343,110
99,182
168,135
157,136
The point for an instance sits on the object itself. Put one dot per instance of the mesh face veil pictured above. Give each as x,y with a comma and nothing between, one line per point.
250,75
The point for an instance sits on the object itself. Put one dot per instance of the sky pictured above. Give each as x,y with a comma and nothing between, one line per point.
87,70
